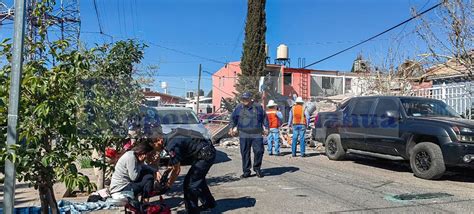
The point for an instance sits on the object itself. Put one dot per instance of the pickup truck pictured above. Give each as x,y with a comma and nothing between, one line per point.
426,132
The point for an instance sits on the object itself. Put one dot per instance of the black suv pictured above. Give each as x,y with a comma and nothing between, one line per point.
427,132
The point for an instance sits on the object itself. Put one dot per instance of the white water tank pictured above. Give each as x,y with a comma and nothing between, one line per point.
282,52
164,85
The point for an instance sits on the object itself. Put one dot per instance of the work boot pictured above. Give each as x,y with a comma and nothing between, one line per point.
244,176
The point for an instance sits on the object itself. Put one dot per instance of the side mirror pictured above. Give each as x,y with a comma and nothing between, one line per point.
393,114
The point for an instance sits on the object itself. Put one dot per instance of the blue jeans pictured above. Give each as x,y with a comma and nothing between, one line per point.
273,136
298,131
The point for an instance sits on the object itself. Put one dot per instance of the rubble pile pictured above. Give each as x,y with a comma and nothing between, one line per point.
232,142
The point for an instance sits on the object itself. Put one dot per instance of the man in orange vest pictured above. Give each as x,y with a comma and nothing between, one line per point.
299,120
274,121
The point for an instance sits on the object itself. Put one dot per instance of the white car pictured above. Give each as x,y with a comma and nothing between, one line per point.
177,117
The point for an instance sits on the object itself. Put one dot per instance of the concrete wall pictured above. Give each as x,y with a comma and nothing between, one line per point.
223,83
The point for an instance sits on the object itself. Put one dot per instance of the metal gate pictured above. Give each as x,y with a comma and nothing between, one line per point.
458,96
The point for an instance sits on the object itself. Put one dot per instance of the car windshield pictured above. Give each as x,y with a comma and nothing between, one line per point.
177,116
427,108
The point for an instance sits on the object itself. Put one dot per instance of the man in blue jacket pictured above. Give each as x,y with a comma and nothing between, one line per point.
250,120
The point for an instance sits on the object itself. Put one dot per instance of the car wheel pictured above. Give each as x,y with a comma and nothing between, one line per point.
426,161
334,149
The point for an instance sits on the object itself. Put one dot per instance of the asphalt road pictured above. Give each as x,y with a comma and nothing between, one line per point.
316,185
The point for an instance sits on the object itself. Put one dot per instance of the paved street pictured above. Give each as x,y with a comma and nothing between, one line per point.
315,184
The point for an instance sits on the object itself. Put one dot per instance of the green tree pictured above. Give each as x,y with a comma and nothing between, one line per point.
111,95
253,57
49,142
71,102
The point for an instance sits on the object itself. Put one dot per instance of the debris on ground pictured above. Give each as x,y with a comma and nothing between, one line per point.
232,142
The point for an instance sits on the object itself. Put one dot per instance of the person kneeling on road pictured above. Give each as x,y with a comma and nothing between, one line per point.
131,174
190,147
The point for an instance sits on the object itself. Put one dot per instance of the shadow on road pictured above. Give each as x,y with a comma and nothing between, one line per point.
279,170
228,204
214,181
221,157
177,189
458,174
393,165
308,154
224,205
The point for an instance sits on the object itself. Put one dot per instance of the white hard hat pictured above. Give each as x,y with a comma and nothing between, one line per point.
299,100
271,103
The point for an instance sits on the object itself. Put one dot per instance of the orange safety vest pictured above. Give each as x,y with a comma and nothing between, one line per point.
273,121
298,115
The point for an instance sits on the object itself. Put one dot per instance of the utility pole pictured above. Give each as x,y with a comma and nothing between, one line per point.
199,90
12,135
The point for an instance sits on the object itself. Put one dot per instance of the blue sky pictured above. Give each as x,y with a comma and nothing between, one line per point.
312,29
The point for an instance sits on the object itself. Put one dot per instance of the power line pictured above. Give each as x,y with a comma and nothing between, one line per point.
188,54
124,17
98,16
119,16
238,38
213,86
373,37
105,16
207,72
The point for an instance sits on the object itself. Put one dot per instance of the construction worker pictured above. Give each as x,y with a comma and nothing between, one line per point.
299,120
250,121
274,121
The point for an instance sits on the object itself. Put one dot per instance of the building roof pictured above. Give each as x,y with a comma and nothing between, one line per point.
451,69
148,93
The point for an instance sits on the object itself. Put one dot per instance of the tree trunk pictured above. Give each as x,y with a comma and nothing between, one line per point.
48,199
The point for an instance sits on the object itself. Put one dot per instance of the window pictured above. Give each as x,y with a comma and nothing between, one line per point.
385,105
348,85
362,107
327,82
428,108
287,79
174,116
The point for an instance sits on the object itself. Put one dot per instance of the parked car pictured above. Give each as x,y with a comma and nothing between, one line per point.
172,118
427,132
180,117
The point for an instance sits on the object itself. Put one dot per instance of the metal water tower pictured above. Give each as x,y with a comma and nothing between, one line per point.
164,85
283,56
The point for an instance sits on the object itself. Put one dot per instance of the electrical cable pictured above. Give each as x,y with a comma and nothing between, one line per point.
373,37
119,16
188,54
98,16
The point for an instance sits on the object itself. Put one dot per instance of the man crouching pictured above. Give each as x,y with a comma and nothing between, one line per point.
189,147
